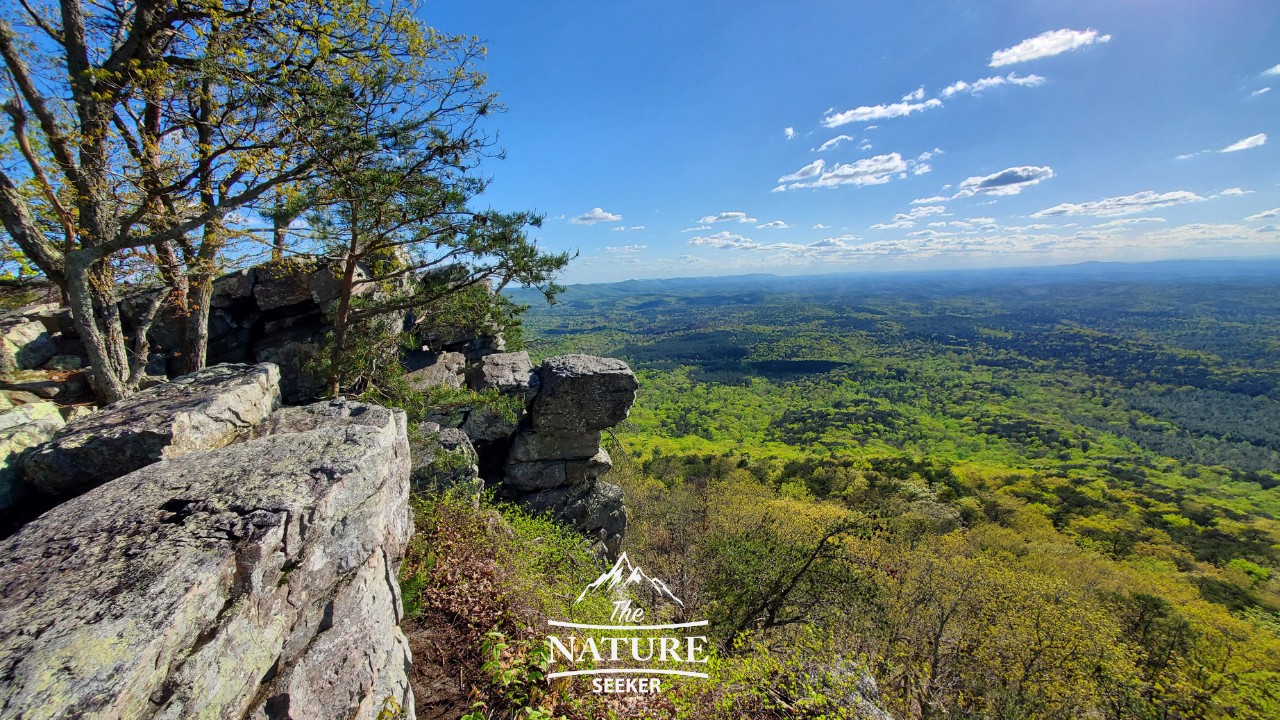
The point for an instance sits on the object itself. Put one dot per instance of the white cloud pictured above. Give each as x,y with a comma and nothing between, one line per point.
725,241
976,87
833,142
924,211
595,215
1232,192
867,171
1248,143
625,249
697,228
1125,222
1047,44
732,216
1261,91
813,169
775,225
899,225
867,113
789,132
915,95
1009,181
820,226
1265,215
1272,71
1122,205
624,228
929,200
865,144
1188,156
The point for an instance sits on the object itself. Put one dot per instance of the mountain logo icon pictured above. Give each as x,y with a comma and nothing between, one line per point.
624,573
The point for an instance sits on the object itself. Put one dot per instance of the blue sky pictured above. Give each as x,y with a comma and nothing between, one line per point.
688,138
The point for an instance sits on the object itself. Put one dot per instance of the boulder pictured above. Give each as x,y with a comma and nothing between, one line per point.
64,362
203,410
232,288
47,384
326,283
582,393
533,477
280,283
299,382
486,424
537,476
22,427
595,509
54,317
530,446
256,580
25,346
446,370
510,373
444,460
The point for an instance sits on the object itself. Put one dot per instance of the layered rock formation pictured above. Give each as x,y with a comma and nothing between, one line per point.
547,455
207,409
255,580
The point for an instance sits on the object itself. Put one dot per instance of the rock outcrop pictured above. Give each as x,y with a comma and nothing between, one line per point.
25,345
21,427
555,459
257,580
204,410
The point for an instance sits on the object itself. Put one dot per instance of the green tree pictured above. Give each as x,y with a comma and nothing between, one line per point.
395,178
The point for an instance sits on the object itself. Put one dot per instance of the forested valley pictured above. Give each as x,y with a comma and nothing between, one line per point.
1037,493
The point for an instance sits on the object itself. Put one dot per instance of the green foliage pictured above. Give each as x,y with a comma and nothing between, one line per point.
1067,492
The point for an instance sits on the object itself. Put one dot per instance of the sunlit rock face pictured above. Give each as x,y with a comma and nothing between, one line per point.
249,581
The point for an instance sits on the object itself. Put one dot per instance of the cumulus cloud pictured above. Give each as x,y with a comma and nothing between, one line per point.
1122,205
593,216
775,225
624,228
1047,44
1272,71
867,171
1125,222
625,249
896,225
820,226
789,132
929,200
833,142
1265,215
1248,143
915,95
1232,192
869,113
1009,181
813,169
976,87
732,216
725,241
